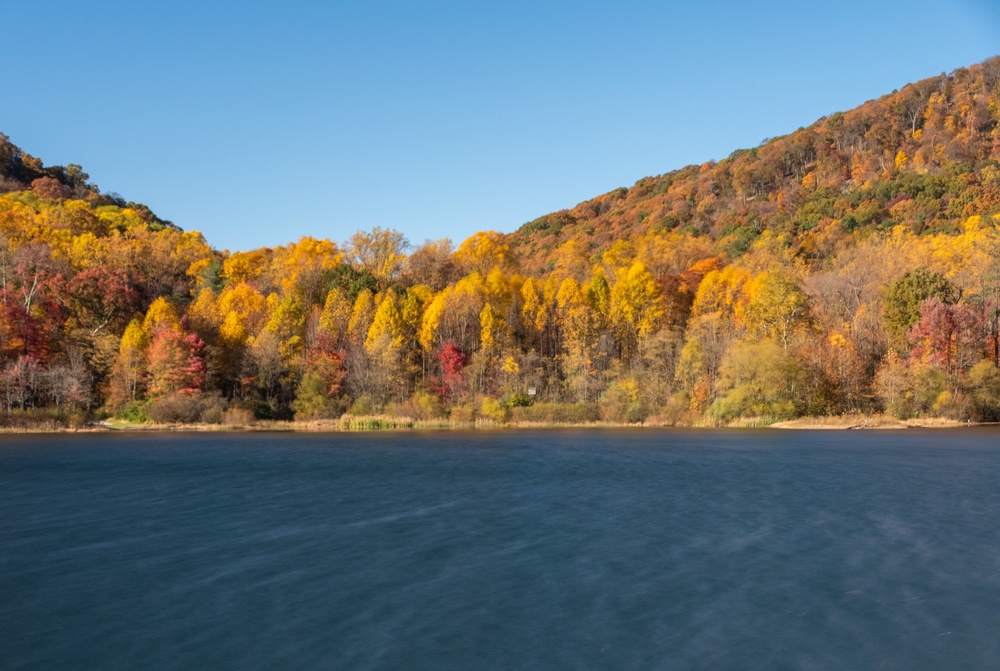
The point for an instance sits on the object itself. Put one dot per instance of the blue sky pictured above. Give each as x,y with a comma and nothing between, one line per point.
259,122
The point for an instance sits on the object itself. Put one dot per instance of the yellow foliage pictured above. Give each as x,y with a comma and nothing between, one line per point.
203,313
361,317
483,252
135,338
197,268
493,329
510,366
246,302
637,301
387,322
232,332
245,266
336,314
432,320
497,288
161,313
722,291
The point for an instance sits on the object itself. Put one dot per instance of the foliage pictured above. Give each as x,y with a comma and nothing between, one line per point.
850,266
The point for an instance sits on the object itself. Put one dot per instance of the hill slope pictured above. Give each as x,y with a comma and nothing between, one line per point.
924,156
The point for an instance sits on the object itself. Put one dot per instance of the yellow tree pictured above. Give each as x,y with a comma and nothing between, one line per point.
246,266
636,309
203,315
387,323
361,317
483,252
579,328
777,307
126,381
302,267
246,303
161,313
287,323
335,318
494,331
381,253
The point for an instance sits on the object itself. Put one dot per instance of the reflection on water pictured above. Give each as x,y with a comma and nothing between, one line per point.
504,550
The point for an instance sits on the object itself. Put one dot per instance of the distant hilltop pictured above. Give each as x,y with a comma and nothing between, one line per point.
852,166
20,171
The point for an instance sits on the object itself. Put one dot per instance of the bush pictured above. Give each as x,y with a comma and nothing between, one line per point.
237,417
621,403
983,383
134,412
494,410
557,413
519,401
186,409
422,406
361,406
756,380
463,414
677,412
311,399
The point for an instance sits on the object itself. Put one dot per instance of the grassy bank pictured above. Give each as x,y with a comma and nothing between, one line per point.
365,423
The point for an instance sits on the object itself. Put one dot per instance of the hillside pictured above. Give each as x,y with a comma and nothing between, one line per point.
924,156
850,267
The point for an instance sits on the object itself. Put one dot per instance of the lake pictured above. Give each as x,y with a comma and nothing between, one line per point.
582,549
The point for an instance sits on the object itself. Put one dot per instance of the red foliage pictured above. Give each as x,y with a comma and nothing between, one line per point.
452,360
102,297
50,188
176,363
951,337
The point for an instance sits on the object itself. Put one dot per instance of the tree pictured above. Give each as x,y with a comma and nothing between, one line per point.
381,253
320,389
176,363
756,380
126,383
904,296
636,309
983,383
483,252
452,361
778,308
432,264
387,322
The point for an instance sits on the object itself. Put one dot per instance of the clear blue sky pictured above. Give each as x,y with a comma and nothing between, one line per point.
259,122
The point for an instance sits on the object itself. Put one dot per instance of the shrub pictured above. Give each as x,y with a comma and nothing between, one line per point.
494,410
621,403
422,405
463,414
237,417
134,412
186,409
983,383
557,413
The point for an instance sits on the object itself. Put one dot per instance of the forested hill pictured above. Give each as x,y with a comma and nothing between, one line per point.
20,171
852,266
923,156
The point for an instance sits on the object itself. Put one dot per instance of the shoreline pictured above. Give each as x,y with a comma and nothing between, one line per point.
370,425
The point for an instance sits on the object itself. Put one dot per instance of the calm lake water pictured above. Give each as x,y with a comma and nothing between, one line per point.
502,550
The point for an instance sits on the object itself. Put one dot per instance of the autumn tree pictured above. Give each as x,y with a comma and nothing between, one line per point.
380,252
904,296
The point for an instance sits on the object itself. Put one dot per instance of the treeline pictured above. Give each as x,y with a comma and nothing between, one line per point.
853,266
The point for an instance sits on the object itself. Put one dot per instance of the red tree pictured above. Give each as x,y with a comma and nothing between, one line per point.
176,363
